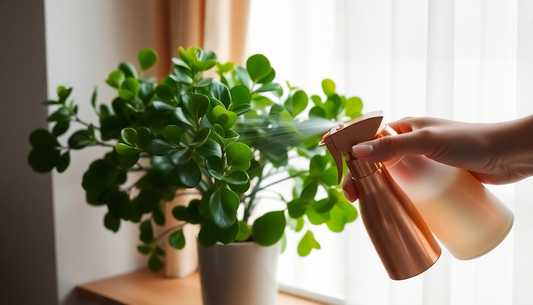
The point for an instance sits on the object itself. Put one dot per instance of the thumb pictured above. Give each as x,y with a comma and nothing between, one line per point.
390,147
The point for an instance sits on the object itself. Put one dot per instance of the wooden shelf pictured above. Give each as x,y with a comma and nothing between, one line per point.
145,288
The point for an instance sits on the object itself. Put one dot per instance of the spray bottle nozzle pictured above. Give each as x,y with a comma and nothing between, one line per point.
341,138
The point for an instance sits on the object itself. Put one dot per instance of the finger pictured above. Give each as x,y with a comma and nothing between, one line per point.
391,147
349,189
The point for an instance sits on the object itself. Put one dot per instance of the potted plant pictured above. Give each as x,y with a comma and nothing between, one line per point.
221,137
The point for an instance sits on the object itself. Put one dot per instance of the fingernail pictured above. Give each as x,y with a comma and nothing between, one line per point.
363,150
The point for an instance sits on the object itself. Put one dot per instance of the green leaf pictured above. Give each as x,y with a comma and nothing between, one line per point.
79,139
268,87
196,104
183,117
242,109
159,251
323,205
317,112
243,76
269,78
226,235
238,177
155,264
176,239
130,137
130,160
62,114
316,100
181,78
349,210
172,134
125,149
223,206
144,249
309,192
337,220
204,82
189,174
111,222
115,79
180,213
296,208
244,231
354,106
215,167
42,138
328,86
200,138
158,216
240,95
315,217
299,224
146,232
268,229
307,244
258,67
329,176
181,63
43,160
330,109
160,147
147,58
299,102
210,148
223,117
317,164
148,199
129,90
144,136
206,236
238,154
128,69
261,101
220,92
165,92
62,162
180,156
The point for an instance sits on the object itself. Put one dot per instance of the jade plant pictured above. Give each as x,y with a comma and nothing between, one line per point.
221,137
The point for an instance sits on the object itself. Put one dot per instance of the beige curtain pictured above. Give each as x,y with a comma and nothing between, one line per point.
216,25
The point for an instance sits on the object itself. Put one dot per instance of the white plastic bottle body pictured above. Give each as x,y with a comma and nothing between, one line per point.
466,217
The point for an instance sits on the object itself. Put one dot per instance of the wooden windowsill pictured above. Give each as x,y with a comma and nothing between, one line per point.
145,288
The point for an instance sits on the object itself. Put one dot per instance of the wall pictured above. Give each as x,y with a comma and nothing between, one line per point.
27,268
85,40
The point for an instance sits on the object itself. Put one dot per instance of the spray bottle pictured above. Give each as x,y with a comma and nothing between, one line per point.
400,236
466,217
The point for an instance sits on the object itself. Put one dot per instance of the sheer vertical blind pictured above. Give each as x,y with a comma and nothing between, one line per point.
468,60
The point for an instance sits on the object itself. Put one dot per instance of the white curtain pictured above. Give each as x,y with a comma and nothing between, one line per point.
468,60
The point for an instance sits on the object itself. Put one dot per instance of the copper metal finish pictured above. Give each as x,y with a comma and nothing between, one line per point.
402,239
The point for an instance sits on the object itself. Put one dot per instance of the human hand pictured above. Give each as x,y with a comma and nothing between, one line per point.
495,153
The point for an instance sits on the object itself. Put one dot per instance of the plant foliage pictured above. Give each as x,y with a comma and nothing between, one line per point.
222,137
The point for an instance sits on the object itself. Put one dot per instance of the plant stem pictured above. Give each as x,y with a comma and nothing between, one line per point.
84,123
281,180
105,144
169,230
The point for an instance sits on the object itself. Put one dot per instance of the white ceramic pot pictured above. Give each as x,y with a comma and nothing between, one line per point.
241,273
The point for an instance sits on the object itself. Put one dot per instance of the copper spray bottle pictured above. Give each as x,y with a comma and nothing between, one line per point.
402,239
